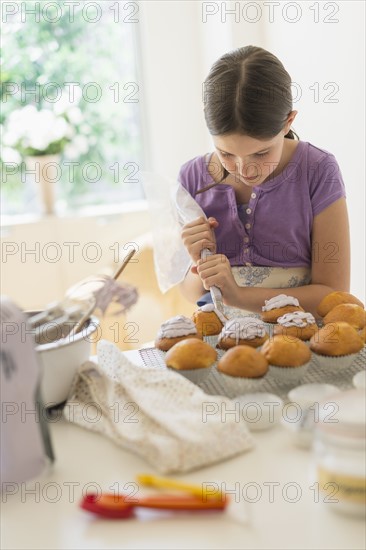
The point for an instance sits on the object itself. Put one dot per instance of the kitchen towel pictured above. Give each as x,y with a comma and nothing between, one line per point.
156,413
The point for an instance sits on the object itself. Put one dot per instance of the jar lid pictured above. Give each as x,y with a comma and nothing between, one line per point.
306,395
345,417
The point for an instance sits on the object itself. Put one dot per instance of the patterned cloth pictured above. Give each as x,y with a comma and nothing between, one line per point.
155,413
267,277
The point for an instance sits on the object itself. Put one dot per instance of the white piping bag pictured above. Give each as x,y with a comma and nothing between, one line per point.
170,207
188,210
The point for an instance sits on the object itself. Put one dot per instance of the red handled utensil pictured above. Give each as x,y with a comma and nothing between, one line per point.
123,507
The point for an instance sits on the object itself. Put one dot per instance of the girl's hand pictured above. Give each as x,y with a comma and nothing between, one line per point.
216,271
198,235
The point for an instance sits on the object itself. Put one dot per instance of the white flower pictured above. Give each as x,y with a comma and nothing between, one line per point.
77,147
74,115
10,137
10,155
71,152
29,128
45,129
70,131
69,99
34,53
85,128
81,143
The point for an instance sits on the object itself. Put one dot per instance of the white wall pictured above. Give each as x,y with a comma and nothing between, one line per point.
182,39
331,56
172,81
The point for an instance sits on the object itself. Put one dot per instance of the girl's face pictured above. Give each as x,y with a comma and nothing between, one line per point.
250,160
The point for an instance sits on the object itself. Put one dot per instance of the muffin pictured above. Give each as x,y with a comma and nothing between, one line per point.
288,358
174,330
298,324
333,299
191,357
242,331
362,333
335,346
278,306
241,369
208,320
352,314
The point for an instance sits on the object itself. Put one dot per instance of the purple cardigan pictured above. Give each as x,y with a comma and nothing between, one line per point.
276,229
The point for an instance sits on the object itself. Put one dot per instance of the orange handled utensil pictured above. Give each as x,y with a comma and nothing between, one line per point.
122,506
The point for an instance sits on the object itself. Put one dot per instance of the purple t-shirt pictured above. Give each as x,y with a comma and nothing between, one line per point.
276,231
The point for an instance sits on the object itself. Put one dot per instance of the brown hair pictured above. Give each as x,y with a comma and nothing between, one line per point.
248,91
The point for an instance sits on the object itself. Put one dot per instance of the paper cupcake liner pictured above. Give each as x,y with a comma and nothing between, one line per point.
288,375
194,375
235,386
331,364
269,328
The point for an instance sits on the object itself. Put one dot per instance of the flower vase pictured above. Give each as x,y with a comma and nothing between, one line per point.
46,171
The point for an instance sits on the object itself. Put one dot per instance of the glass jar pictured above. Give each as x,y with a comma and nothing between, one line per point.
339,453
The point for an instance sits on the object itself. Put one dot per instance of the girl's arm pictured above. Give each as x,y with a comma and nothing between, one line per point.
330,267
192,287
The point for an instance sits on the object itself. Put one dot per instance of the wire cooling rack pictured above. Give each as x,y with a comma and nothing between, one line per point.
215,384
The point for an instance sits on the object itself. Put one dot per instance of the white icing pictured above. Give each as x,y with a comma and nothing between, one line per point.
296,319
210,307
243,328
282,300
177,326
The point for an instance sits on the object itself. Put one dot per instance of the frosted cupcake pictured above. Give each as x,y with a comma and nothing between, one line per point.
278,306
297,324
209,320
174,330
242,331
288,359
335,346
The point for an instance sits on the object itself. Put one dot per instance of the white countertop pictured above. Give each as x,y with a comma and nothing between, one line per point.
45,514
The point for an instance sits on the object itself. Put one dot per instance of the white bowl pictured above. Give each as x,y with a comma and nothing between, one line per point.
306,403
261,411
59,361
359,380
308,394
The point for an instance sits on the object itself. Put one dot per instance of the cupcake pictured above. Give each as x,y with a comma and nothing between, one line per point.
298,324
208,320
362,333
278,306
174,330
352,314
335,346
248,331
288,358
242,369
333,299
192,358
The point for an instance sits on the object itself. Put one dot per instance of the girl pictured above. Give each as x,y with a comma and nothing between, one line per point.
276,208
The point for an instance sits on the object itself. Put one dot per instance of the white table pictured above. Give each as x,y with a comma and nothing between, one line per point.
50,518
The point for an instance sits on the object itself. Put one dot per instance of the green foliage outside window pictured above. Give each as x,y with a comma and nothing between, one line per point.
78,78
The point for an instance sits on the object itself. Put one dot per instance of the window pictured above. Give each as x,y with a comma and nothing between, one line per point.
70,87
